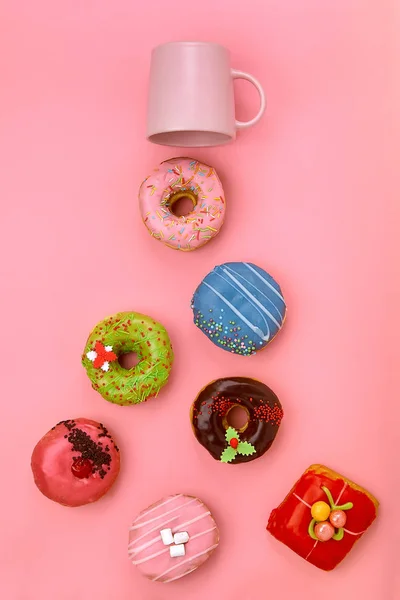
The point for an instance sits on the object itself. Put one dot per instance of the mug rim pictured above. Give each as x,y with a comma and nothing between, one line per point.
166,138
190,43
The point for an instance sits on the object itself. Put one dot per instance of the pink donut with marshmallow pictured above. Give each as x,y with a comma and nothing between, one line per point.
171,181
172,538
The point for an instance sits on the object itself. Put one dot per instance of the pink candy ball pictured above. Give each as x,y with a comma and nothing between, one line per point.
338,518
324,531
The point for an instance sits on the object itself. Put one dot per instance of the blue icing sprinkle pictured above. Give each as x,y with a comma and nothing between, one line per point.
250,303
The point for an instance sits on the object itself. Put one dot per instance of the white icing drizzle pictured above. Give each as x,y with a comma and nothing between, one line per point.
353,533
143,560
267,283
237,312
165,550
182,562
139,525
175,529
301,500
268,299
253,299
150,510
153,529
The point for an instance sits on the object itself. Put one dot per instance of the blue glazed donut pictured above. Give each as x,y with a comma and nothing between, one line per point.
239,307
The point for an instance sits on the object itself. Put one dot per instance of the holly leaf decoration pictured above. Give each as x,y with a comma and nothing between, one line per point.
245,448
228,455
230,434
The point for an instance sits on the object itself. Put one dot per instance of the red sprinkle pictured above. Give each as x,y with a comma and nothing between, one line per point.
234,443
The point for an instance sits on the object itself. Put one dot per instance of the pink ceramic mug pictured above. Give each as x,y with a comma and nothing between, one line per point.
191,100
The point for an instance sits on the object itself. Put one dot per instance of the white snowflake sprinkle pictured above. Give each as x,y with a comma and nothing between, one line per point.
92,355
105,366
108,348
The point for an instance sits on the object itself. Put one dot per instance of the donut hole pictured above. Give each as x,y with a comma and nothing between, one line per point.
181,204
129,360
182,207
238,418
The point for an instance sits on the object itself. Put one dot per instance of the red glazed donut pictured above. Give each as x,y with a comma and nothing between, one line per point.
76,462
210,410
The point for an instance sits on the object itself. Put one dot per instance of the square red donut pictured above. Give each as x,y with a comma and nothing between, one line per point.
292,523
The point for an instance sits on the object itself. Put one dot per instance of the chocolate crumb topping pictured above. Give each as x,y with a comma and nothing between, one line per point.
69,424
105,433
88,448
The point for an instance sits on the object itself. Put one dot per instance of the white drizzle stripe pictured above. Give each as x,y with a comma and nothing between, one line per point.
255,329
157,527
179,576
144,546
147,512
139,525
242,295
253,298
143,560
341,493
176,528
250,283
353,533
301,500
181,525
164,551
183,562
267,283
309,554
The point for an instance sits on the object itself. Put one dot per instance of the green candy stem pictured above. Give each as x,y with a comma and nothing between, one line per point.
311,530
346,506
338,535
327,492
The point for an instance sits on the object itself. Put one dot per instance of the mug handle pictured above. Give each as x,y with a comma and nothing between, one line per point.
256,83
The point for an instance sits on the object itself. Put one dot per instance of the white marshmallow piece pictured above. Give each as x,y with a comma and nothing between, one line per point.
181,538
177,550
167,537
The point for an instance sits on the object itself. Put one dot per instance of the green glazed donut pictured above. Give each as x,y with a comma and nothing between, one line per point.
120,334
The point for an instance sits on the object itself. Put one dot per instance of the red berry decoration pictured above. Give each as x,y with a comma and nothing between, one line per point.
81,468
234,443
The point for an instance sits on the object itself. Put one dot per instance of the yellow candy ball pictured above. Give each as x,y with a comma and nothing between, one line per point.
320,511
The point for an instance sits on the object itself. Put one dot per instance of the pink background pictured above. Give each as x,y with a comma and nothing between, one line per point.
310,193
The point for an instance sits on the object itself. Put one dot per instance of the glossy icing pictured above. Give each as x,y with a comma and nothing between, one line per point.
180,513
124,333
182,177
289,523
54,456
239,307
210,409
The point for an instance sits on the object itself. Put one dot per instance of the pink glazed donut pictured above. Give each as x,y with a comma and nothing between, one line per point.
76,462
182,178
172,538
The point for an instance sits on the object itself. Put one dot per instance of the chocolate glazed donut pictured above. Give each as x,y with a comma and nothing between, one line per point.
209,416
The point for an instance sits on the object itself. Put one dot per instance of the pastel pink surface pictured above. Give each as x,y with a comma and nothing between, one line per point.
312,196
179,513
204,221
52,459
